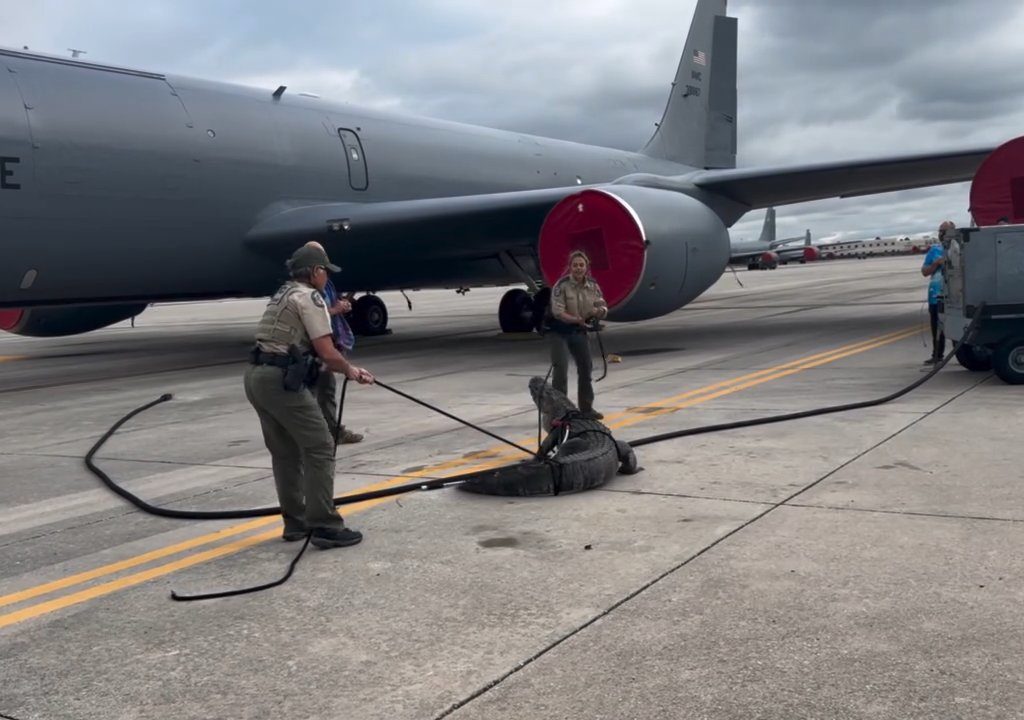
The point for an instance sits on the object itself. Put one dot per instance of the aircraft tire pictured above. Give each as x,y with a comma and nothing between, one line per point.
515,312
369,316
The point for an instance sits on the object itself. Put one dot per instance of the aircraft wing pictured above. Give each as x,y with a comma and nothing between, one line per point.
764,187
452,228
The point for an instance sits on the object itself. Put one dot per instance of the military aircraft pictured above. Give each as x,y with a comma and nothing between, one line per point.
767,252
122,187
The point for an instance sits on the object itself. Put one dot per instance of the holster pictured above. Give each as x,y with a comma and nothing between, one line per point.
301,372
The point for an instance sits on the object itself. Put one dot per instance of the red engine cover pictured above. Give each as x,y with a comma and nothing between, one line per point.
606,229
811,253
997,190
9,319
769,257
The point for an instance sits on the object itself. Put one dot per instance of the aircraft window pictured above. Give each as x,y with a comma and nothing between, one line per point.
211,133
26,282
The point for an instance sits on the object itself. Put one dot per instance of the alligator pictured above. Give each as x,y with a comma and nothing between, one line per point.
578,453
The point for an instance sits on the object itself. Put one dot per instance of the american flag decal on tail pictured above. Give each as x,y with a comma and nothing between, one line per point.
699,58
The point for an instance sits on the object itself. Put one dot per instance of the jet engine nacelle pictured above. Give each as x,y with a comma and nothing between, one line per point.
811,253
65,320
652,251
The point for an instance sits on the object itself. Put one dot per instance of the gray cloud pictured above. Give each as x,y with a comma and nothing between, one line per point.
817,80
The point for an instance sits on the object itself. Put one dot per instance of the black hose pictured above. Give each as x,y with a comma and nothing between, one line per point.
968,336
153,509
455,479
244,591
257,512
295,561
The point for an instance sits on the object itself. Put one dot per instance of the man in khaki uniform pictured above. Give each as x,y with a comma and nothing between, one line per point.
576,299
277,386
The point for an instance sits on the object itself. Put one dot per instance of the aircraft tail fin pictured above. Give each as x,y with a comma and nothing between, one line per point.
698,127
768,229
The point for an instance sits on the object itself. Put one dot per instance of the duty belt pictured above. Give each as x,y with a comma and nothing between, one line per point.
258,357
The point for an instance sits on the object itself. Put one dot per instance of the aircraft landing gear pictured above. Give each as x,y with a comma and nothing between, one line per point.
515,313
369,316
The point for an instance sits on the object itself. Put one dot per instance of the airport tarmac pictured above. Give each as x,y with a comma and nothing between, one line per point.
856,565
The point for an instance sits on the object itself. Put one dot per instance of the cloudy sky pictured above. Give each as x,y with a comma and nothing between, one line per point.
818,79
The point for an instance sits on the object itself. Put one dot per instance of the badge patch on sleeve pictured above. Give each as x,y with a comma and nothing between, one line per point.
318,300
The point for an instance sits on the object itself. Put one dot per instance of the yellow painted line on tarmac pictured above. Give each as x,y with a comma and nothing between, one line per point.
493,457
155,572
142,576
636,415
206,539
7,358
112,568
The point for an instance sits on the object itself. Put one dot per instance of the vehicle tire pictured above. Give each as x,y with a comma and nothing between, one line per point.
369,316
515,312
974,358
1008,361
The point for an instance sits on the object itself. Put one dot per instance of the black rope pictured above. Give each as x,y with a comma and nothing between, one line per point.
436,409
141,504
735,275
459,479
604,356
267,511
551,367
337,421
439,483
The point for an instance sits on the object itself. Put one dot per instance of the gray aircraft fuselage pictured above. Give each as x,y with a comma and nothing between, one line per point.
123,185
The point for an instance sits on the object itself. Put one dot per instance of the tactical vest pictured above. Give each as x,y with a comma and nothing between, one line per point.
281,324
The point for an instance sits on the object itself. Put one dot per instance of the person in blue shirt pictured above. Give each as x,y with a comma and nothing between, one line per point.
934,259
326,389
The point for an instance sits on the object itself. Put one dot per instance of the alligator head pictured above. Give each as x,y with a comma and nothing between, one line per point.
552,403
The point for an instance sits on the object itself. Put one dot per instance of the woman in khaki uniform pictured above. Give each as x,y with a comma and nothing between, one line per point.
294,430
576,299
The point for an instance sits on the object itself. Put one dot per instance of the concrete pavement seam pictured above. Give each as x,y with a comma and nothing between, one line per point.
686,496
657,579
909,513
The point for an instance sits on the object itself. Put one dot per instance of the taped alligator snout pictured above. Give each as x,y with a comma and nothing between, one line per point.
578,454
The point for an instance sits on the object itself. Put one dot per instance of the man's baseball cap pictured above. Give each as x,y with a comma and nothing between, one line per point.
309,256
